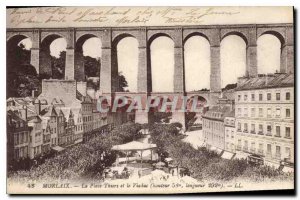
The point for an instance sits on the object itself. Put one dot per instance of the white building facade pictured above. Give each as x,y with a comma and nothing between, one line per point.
265,117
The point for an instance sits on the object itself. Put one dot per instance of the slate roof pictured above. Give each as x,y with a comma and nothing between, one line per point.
217,112
66,111
267,81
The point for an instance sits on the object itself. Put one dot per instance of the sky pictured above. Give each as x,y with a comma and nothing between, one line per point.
197,59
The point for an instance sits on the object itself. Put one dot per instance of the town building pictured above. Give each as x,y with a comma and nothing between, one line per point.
213,124
46,147
17,137
62,115
69,137
265,117
78,122
60,127
49,114
36,136
229,124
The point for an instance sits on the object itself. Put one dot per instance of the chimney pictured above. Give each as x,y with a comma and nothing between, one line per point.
37,106
32,93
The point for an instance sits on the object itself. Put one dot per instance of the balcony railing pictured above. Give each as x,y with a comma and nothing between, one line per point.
245,131
260,133
252,132
239,148
269,134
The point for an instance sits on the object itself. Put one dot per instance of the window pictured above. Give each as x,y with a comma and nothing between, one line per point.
239,126
260,129
239,144
269,149
269,96
245,97
239,112
260,97
16,139
245,127
269,112
252,112
277,131
287,132
253,146
252,128
287,96
17,153
288,112
278,111
277,96
239,97
287,152
278,152
260,148
252,97
269,130
260,112
246,145
245,112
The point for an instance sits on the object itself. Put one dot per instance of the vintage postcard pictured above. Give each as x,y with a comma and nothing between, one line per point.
149,100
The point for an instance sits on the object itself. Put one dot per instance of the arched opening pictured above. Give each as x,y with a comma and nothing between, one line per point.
124,113
197,63
53,57
162,63
88,60
196,107
124,63
268,54
22,77
160,113
127,64
233,60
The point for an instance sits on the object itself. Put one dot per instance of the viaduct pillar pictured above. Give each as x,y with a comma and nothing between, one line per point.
35,51
287,52
142,117
179,83
251,53
215,63
69,69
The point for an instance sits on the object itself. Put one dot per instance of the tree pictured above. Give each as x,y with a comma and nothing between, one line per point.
122,82
21,76
91,66
229,87
58,65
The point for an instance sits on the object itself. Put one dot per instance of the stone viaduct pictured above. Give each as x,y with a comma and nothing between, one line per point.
110,36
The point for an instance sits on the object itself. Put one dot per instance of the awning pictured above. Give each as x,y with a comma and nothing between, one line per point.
287,169
134,146
78,141
58,148
219,151
241,155
213,148
227,155
168,159
271,164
